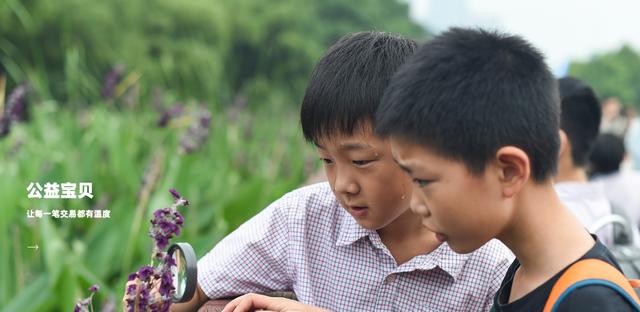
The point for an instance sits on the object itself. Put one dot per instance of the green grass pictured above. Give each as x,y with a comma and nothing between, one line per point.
242,166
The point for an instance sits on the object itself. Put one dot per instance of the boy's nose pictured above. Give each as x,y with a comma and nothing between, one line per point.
417,204
346,185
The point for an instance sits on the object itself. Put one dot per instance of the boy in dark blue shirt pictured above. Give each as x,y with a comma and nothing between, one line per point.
473,119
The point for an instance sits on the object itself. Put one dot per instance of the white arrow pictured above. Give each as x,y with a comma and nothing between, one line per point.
33,247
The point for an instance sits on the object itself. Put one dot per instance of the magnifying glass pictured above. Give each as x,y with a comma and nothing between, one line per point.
185,272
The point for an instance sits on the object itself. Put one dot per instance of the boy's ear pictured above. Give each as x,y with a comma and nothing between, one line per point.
514,169
564,143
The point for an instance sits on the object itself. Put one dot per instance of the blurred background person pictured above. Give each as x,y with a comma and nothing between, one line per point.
612,119
632,140
579,125
621,186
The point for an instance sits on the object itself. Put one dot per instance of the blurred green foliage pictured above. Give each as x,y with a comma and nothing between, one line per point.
212,49
615,73
220,52
244,164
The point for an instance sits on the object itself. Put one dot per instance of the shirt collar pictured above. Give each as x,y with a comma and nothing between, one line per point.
442,257
350,231
448,260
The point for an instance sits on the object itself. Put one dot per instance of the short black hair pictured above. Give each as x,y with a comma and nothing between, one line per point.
346,86
607,154
469,92
580,117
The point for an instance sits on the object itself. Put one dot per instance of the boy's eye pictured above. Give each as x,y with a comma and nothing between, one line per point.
361,162
421,183
326,161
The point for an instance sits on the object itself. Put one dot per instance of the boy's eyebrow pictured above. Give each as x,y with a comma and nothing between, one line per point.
348,146
355,146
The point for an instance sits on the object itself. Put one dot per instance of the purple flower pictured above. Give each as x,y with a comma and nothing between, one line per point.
165,307
169,261
130,306
111,81
197,133
84,305
159,214
17,103
131,290
94,288
5,126
143,299
132,277
161,241
145,272
179,218
166,284
205,120
160,255
168,227
175,194
168,114
165,224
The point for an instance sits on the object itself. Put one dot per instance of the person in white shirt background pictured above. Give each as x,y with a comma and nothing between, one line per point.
632,141
622,187
579,126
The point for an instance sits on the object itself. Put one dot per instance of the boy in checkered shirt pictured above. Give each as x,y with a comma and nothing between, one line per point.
352,243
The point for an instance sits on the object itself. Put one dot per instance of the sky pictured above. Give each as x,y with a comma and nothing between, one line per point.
564,30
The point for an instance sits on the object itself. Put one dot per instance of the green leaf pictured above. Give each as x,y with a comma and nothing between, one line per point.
53,250
37,296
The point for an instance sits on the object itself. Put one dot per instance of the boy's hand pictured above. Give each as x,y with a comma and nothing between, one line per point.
251,302
154,293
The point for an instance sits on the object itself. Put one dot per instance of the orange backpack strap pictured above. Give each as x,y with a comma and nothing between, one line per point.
592,272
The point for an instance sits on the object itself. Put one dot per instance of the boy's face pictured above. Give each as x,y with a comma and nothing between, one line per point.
364,178
464,210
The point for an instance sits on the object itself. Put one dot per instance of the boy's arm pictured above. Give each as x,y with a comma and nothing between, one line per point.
253,258
255,302
199,298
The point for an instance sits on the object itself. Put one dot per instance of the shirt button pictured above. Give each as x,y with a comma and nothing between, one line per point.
390,279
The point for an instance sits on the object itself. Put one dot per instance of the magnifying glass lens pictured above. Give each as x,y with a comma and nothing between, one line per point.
179,273
184,272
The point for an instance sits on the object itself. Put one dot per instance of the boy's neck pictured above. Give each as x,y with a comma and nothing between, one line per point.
571,173
406,238
545,237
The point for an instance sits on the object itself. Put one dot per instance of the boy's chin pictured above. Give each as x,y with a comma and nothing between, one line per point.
369,224
463,248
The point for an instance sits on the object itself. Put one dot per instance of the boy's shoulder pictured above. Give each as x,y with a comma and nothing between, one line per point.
314,195
588,298
320,191
314,203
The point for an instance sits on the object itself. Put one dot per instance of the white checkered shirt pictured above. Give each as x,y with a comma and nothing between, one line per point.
307,243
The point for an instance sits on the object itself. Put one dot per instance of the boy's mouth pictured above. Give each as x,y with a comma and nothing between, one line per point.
358,211
441,237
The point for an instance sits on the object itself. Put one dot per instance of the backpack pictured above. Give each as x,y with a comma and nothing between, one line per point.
592,272
624,250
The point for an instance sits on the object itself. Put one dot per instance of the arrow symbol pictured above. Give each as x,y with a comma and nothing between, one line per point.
33,247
